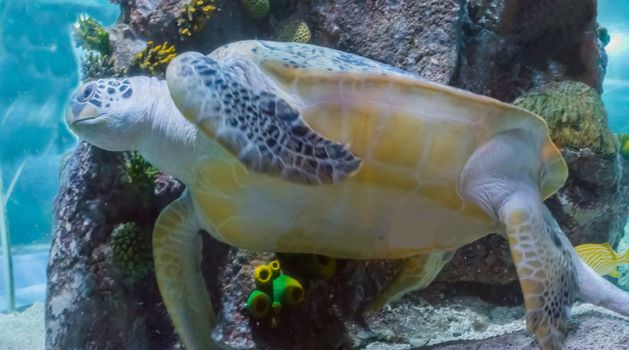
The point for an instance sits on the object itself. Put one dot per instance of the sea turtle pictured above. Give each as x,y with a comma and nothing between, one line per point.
290,147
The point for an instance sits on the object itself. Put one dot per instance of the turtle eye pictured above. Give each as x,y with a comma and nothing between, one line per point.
88,91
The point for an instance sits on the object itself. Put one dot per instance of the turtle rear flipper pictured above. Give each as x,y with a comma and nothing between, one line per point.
545,266
177,253
543,256
263,130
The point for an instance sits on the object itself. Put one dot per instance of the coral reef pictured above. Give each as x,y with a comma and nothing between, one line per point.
85,287
141,175
96,62
298,32
194,16
91,35
256,9
96,65
131,251
155,58
575,115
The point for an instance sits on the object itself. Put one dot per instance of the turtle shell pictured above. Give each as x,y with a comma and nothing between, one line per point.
414,138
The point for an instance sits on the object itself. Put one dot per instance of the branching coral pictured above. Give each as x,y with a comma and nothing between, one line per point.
298,32
132,251
141,175
155,58
575,115
95,65
256,9
91,35
194,16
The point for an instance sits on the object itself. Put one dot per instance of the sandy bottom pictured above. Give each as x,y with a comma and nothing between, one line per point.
24,330
458,321
414,324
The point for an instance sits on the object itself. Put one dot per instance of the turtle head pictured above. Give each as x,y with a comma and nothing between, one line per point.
110,113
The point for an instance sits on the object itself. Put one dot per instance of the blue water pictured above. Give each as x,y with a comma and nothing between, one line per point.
614,14
29,270
39,69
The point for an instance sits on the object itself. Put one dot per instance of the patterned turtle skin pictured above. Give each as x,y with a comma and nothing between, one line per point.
296,148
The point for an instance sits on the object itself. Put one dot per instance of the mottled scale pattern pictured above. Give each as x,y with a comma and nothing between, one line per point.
264,131
545,264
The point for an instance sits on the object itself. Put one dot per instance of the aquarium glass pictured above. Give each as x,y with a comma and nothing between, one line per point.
39,69
613,16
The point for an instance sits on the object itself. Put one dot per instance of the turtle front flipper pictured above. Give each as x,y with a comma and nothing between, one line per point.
177,253
417,273
545,265
239,108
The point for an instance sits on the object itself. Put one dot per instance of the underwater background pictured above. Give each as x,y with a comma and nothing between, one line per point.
39,68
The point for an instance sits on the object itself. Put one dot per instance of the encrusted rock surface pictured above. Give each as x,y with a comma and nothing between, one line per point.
511,46
475,44
418,36
89,305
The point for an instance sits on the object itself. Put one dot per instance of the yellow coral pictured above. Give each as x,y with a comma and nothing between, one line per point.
297,32
194,16
155,58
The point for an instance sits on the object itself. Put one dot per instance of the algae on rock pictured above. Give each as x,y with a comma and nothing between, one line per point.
575,115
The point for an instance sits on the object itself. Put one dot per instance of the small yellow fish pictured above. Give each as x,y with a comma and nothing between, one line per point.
602,258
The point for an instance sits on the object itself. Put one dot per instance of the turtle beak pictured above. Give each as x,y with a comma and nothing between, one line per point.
77,112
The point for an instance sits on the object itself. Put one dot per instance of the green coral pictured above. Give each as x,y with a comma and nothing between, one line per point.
575,115
132,251
297,32
256,9
275,291
91,35
624,145
95,65
155,58
193,16
259,304
141,175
